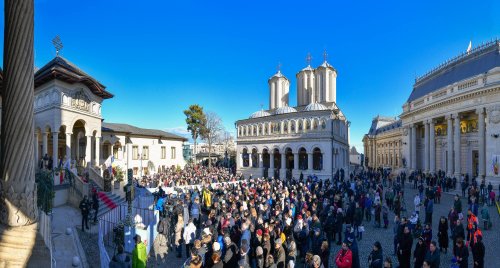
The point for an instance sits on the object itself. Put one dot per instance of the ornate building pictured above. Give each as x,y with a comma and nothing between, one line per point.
69,125
451,120
383,144
284,141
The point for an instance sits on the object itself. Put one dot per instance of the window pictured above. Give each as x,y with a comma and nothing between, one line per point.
145,152
135,153
172,152
163,152
135,171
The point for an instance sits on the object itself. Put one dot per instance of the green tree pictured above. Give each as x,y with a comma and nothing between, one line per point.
196,121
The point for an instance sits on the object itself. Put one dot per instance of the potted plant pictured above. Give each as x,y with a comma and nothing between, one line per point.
118,174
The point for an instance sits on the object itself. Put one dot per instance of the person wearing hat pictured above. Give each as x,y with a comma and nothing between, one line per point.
139,254
376,257
419,252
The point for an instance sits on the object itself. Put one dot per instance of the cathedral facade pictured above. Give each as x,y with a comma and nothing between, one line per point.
311,138
451,120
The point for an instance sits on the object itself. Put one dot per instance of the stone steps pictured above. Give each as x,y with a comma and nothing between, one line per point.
103,208
23,247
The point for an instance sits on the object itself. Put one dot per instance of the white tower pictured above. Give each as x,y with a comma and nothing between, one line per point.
279,86
326,82
305,84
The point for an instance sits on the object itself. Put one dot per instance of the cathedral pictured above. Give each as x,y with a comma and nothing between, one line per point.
311,138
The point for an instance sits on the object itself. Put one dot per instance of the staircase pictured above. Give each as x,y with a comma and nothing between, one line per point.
106,197
23,247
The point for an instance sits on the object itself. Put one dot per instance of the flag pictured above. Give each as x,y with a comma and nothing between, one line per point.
469,47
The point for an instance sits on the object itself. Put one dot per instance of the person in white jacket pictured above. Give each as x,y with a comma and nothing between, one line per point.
189,236
416,202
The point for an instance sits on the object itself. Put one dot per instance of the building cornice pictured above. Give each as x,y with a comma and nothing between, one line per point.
452,100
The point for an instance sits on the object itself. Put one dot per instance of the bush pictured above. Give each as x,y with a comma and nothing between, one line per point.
45,190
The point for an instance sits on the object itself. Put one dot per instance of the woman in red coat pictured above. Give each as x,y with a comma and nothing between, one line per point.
344,257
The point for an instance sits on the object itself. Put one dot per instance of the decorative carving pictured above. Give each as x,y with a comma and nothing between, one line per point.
405,131
494,115
80,100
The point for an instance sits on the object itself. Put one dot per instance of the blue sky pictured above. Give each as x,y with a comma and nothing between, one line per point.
158,57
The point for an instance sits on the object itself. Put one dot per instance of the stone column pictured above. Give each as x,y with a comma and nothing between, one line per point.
432,148
77,149
449,138
88,151
55,145
481,137
250,160
457,144
310,162
271,165
36,149
283,166
97,151
18,197
259,157
426,146
413,147
68,145
44,144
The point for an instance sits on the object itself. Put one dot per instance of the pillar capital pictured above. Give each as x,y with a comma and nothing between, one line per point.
480,110
448,117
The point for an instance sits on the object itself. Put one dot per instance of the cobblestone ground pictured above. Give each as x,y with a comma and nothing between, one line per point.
159,257
89,245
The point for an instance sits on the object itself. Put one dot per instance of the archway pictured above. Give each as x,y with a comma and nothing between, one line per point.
289,159
265,158
302,159
277,159
244,157
79,142
317,159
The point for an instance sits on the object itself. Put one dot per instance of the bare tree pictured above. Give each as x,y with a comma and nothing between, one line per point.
212,133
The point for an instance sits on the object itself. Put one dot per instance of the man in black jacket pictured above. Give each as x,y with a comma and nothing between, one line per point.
478,252
433,256
404,252
85,209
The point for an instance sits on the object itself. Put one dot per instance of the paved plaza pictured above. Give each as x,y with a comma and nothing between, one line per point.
491,238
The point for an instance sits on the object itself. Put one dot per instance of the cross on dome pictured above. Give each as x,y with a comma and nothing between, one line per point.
308,59
325,55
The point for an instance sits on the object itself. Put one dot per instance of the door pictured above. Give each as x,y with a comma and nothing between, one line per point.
475,163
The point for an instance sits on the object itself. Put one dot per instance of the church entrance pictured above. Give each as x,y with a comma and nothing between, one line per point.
475,163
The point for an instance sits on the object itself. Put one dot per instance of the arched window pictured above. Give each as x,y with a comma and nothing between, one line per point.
292,127
315,124
277,159
323,124
244,157
308,125
317,159
300,125
302,159
265,129
285,127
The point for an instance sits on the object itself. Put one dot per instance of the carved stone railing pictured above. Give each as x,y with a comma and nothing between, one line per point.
45,230
96,177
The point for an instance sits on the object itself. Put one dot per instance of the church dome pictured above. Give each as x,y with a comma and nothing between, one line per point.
278,75
285,110
260,113
315,107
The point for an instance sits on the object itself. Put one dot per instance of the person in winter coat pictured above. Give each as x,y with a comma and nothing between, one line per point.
427,235
344,257
120,260
419,252
339,221
458,233
189,236
404,251
279,253
432,257
178,235
259,257
461,253
478,252
443,235
231,257
139,255
353,246
376,257
217,262
325,254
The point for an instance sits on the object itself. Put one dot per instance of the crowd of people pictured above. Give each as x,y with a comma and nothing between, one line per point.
281,223
174,177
